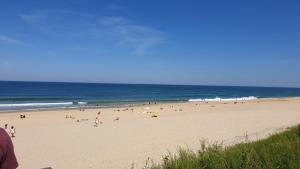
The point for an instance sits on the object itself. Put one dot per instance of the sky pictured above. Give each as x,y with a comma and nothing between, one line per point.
240,43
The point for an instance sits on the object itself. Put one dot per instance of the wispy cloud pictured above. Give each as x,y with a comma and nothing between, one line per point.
117,29
58,21
130,35
31,18
11,41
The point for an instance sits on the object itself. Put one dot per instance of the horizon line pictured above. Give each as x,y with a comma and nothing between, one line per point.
165,84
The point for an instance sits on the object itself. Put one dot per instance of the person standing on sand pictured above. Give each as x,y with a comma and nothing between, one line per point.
7,155
12,131
97,121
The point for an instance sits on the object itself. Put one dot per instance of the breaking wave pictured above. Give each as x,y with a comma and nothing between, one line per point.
218,99
36,104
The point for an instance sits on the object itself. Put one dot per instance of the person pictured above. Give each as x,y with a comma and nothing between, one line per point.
12,131
7,155
5,126
97,121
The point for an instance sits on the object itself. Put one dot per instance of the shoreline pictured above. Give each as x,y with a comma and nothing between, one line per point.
87,107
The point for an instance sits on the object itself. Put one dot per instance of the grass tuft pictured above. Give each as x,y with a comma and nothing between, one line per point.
279,151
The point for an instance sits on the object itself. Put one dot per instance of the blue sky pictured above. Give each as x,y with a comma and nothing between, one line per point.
252,43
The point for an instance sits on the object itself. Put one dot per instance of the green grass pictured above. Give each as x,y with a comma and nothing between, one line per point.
279,151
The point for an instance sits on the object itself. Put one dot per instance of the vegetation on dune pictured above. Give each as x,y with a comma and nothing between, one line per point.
279,151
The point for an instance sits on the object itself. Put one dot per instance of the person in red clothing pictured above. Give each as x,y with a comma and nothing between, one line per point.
7,155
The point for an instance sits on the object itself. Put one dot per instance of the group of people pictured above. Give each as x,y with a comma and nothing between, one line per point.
22,116
11,131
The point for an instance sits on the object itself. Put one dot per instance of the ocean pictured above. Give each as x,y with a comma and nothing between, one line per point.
16,96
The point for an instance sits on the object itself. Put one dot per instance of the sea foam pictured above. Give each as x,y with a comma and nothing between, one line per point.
82,103
218,99
36,104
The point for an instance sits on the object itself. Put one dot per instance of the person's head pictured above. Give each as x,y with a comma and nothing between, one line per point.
7,154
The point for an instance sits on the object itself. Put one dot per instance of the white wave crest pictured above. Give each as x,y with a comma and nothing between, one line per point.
36,104
218,99
82,103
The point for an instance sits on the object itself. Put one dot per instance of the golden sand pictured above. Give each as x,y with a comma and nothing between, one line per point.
49,139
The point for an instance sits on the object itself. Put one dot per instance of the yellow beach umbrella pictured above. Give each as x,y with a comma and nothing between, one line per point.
153,114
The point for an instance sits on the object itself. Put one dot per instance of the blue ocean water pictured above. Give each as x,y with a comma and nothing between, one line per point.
33,95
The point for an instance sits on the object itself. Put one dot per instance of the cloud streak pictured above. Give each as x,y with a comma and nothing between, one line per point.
129,35
117,29
58,21
11,41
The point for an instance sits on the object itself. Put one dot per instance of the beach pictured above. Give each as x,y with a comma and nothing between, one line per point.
130,135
